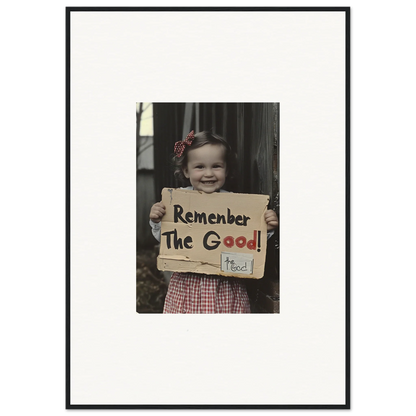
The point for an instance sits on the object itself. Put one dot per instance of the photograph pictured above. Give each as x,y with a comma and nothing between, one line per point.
227,148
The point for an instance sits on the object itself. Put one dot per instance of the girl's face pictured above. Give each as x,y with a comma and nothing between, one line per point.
206,168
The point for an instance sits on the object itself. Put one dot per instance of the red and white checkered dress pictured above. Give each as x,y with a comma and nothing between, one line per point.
201,293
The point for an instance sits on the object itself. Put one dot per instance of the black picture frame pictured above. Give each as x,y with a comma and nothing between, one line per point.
68,169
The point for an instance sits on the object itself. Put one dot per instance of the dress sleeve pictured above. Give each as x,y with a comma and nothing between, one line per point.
156,227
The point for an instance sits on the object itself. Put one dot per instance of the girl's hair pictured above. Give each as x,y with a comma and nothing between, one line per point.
201,139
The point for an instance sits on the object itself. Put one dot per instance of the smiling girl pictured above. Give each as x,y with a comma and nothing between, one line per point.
207,161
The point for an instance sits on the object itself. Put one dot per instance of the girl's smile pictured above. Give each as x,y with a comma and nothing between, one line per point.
206,168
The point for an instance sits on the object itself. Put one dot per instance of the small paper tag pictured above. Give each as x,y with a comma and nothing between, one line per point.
237,263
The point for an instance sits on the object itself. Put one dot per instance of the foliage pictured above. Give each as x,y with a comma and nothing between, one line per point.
151,286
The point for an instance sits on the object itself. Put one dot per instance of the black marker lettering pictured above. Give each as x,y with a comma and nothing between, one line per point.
188,216
258,241
211,218
168,234
177,242
200,217
177,214
220,218
215,244
186,242
230,218
239,220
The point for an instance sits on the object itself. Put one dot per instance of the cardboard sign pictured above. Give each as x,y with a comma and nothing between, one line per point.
218,233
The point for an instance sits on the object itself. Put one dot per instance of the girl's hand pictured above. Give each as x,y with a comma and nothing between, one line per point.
271,219
157,212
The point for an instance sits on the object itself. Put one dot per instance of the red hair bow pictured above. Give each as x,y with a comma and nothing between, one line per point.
180,146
